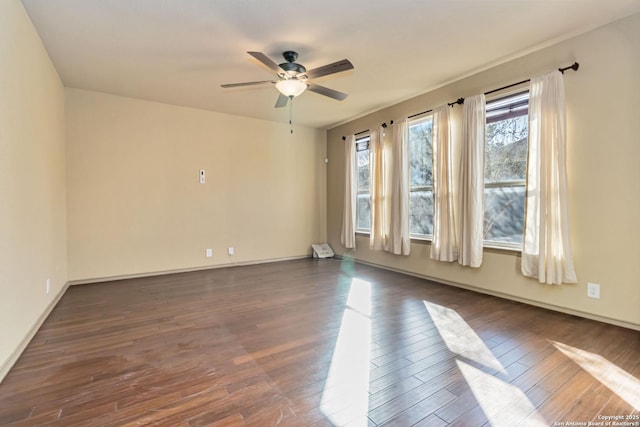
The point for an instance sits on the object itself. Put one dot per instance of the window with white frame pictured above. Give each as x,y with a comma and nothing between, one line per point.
421,178
505,170
363,205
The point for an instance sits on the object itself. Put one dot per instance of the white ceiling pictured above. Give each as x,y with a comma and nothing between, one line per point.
181,51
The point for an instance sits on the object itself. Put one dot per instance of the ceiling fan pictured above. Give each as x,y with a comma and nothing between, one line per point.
293,78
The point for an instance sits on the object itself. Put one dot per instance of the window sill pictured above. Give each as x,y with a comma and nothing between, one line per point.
506,249
421,239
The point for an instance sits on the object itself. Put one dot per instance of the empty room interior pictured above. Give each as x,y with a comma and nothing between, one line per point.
363,213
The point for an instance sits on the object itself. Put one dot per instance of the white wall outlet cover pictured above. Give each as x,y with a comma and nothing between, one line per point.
230,251
593,290
208,253
202,176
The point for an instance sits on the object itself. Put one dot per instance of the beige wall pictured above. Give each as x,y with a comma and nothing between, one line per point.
135,205
603,111
32,181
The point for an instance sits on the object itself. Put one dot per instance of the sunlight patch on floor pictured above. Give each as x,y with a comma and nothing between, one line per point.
345,397
360,296
614,378
460,338
502,403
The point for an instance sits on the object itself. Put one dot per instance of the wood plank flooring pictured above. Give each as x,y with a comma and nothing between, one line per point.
315,343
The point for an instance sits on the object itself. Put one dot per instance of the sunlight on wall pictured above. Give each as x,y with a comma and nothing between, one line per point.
502,403
617,380
345,398
460,338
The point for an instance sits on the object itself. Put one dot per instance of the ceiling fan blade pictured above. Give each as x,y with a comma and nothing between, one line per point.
247,83
264,59
331,93
335,67
282,101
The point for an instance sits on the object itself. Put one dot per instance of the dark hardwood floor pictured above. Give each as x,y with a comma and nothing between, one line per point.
320,343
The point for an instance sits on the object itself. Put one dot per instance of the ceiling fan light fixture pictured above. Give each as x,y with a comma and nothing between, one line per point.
291,87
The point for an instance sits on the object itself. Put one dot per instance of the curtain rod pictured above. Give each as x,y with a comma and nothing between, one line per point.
384,125
344,138
573,67
460,101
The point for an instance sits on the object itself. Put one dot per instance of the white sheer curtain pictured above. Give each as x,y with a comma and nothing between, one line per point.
348,235
398,241
472,181
378,193
546,253
444,243
389,172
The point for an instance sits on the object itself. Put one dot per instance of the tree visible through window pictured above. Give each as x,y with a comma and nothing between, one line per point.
363,206
505,169
421,177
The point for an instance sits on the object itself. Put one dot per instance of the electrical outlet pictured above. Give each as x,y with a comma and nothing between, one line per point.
230,250
208,253
202,176
593,290
48,286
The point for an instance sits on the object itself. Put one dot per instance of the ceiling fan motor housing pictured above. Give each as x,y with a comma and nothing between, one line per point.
291,67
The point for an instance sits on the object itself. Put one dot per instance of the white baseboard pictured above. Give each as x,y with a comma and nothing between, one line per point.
183,270
510,297
15,355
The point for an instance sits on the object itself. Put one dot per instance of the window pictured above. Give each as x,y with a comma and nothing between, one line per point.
505,170
363,205
421,177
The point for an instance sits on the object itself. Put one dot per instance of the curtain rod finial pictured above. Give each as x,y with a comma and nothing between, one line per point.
573,67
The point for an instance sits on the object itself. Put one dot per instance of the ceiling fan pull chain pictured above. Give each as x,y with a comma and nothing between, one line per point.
291,113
